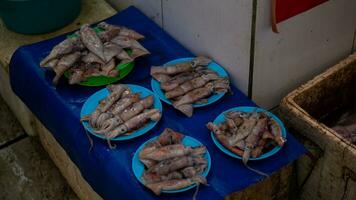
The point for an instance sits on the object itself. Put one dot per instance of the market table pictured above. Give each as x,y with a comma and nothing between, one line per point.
109,171
91,11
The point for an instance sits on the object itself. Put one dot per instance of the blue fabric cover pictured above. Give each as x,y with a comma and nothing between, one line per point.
109,171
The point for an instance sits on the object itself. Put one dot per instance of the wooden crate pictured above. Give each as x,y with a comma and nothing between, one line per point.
334,174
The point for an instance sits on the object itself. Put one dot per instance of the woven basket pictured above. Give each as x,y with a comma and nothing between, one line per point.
333,175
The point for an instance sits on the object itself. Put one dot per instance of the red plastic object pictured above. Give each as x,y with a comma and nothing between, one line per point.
289,8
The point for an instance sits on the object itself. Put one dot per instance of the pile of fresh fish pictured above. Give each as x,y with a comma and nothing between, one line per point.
94,54
122,112
170,165
248,134
346,126
189,83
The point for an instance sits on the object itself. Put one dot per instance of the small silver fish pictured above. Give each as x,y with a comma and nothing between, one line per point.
135,122
91,41
175,184
64,64
65,47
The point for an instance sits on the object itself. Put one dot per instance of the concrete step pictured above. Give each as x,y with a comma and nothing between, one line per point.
26,171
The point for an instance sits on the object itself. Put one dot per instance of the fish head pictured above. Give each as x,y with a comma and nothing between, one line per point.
211,126
201,61
122,129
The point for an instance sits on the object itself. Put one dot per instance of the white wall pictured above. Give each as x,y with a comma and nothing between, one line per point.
152,8
208,27
354,49
306,45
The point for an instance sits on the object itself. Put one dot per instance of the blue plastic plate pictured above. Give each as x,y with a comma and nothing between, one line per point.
138,167
93,101
219,119
155,85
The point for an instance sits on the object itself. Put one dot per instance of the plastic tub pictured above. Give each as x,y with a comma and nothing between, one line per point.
38,16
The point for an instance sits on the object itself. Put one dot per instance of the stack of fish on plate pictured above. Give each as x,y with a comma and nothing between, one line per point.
248,134
94,53
189,83
170,165
122,112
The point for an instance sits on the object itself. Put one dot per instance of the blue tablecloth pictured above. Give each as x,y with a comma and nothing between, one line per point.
109,171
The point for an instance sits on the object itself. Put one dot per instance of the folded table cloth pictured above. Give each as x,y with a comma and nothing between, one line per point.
109,171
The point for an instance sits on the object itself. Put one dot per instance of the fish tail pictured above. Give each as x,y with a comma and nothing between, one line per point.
186,109
156,116
256,171
201,61
156,188
245,158
157,70
56,79
199,151
85,118
161,77
199,179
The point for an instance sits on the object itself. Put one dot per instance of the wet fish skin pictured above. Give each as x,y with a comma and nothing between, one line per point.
177,80
236,117
170,165
111,50
124,103
253,138
123,42
116,87
149,147
110,31
101,119
135,122
108,67
76,77
162,78
148,163
201,61
214,128
225,142
65,47
169,136
111,99
115,91
185,103
124,57
137,49
92,41
180,67
245,129
137,108
52,63
64,64
193,96
277,132
131,34
108,125
171,69
154,177
190,85
122,31
257,152
189,172
174,150
175,184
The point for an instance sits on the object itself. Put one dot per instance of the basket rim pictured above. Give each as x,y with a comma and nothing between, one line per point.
289,102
